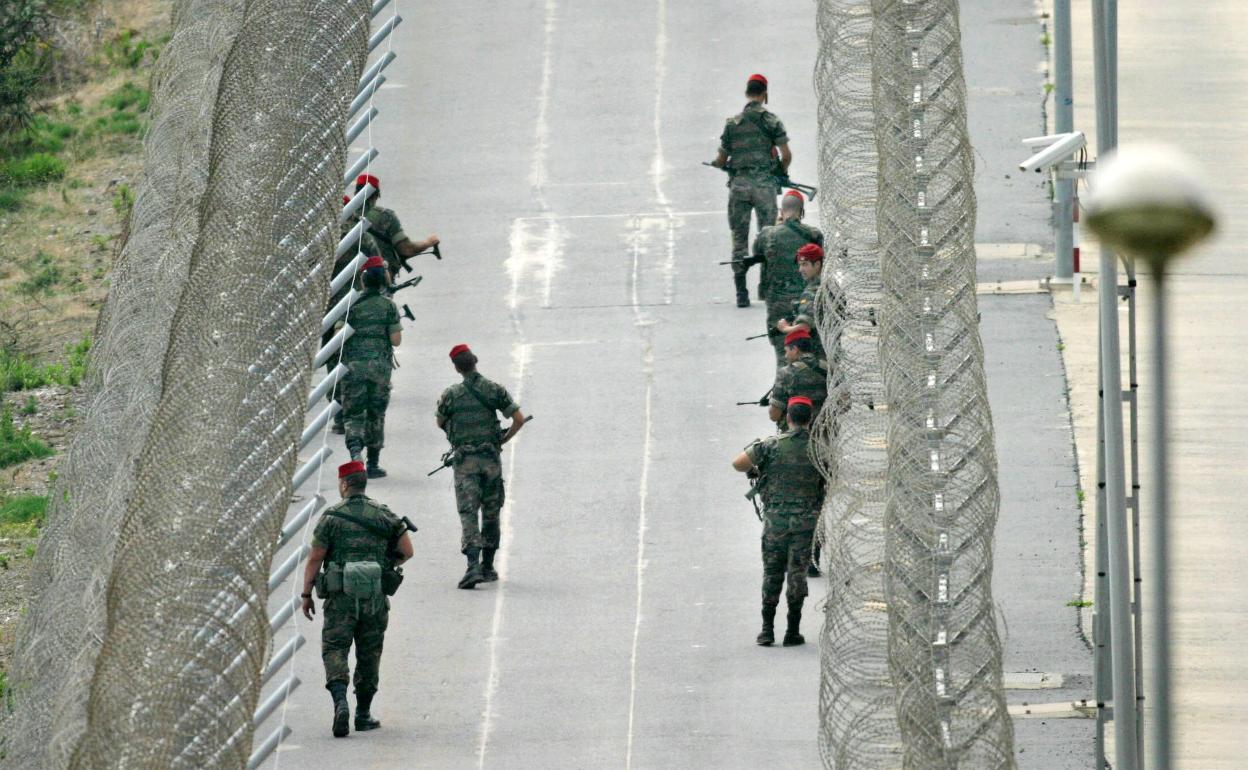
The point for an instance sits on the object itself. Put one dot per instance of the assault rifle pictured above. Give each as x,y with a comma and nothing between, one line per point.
398,287
772,332
748,262
451,455
757,482
435,250
764,401
779,173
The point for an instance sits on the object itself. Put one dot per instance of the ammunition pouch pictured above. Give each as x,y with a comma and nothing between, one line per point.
391,579
329,581
361,580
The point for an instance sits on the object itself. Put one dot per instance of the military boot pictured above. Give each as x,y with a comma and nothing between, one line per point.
342,712
473,576
353,449
767,636
792,636
364,720
488,575
373,470
743,293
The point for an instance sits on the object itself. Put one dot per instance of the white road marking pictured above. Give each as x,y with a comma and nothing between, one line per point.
622,215
521,356
539,253
658,168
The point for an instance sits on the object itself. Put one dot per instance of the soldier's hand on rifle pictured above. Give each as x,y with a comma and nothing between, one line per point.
783,326
765,400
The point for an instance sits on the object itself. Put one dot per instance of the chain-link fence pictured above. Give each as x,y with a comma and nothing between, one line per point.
911,659
198,398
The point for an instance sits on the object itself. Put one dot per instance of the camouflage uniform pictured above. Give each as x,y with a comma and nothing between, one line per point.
368,247
384,225
748,139
804,377
782,285
368,354
473,430
804,313
792,493
346,620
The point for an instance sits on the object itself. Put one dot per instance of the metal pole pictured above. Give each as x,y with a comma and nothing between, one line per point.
1125,726
1159,735
1102,680
1063,123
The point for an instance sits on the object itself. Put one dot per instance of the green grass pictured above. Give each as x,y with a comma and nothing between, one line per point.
44,277
11,199
123,200
31,406
23,509
127,96
1078,603
34,169
17,444
20,372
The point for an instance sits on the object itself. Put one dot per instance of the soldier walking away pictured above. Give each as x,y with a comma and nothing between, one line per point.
385,227
369,356
776,249
468,413
752,143
792,491
354,544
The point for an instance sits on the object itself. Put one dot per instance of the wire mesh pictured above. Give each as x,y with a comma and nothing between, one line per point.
858,727
58,640
198,399
944,651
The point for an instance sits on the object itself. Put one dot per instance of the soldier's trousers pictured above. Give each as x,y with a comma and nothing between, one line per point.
786,552
364,403
344,626
746,197
479,491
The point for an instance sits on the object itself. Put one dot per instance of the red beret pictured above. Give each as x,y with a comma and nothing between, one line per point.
795,335
757,77
368,179
795,194
811,252
460,348
346,199
346,469
800,400
372,262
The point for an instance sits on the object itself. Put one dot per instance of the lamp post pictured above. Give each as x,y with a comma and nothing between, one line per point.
1148,202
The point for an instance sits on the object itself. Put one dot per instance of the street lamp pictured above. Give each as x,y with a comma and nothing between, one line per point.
1148,202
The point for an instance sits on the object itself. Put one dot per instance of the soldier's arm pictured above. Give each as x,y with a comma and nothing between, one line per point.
779,398
409,248
315,557
517,422
396,329
781,141
742,462
786,157
405,548
721,158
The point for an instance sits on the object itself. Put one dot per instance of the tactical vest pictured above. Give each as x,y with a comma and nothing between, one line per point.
471,422
783,281
353,542
809,381
749,147
385,249
370,317
792,479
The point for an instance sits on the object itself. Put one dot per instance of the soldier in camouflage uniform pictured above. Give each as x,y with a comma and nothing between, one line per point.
810,266
355,530
792,491
385,227
803,375
368,247
750,145
369,355
776,247
468,413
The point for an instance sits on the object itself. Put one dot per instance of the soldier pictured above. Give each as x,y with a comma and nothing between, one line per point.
384,225
810,266
467,412
355,541
369,248
803,375
749,147
369,354
776,247
792,491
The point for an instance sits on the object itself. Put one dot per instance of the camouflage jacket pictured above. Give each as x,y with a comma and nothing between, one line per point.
804,377
374,318
468,422
347,541
384,226
748,139
777,246
367,246
792,486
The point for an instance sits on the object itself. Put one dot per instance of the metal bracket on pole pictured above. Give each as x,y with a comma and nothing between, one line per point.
383,32
333,345
364,95
369,155
293,526
356,202
325,384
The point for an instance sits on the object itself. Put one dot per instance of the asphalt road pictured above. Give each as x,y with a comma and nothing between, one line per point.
555,148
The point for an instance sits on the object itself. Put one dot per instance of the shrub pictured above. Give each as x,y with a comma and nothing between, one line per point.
17,444
23,509
34,169
19,372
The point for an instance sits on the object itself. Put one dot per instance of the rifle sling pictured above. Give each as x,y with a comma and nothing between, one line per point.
371,526
793,226
473,392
